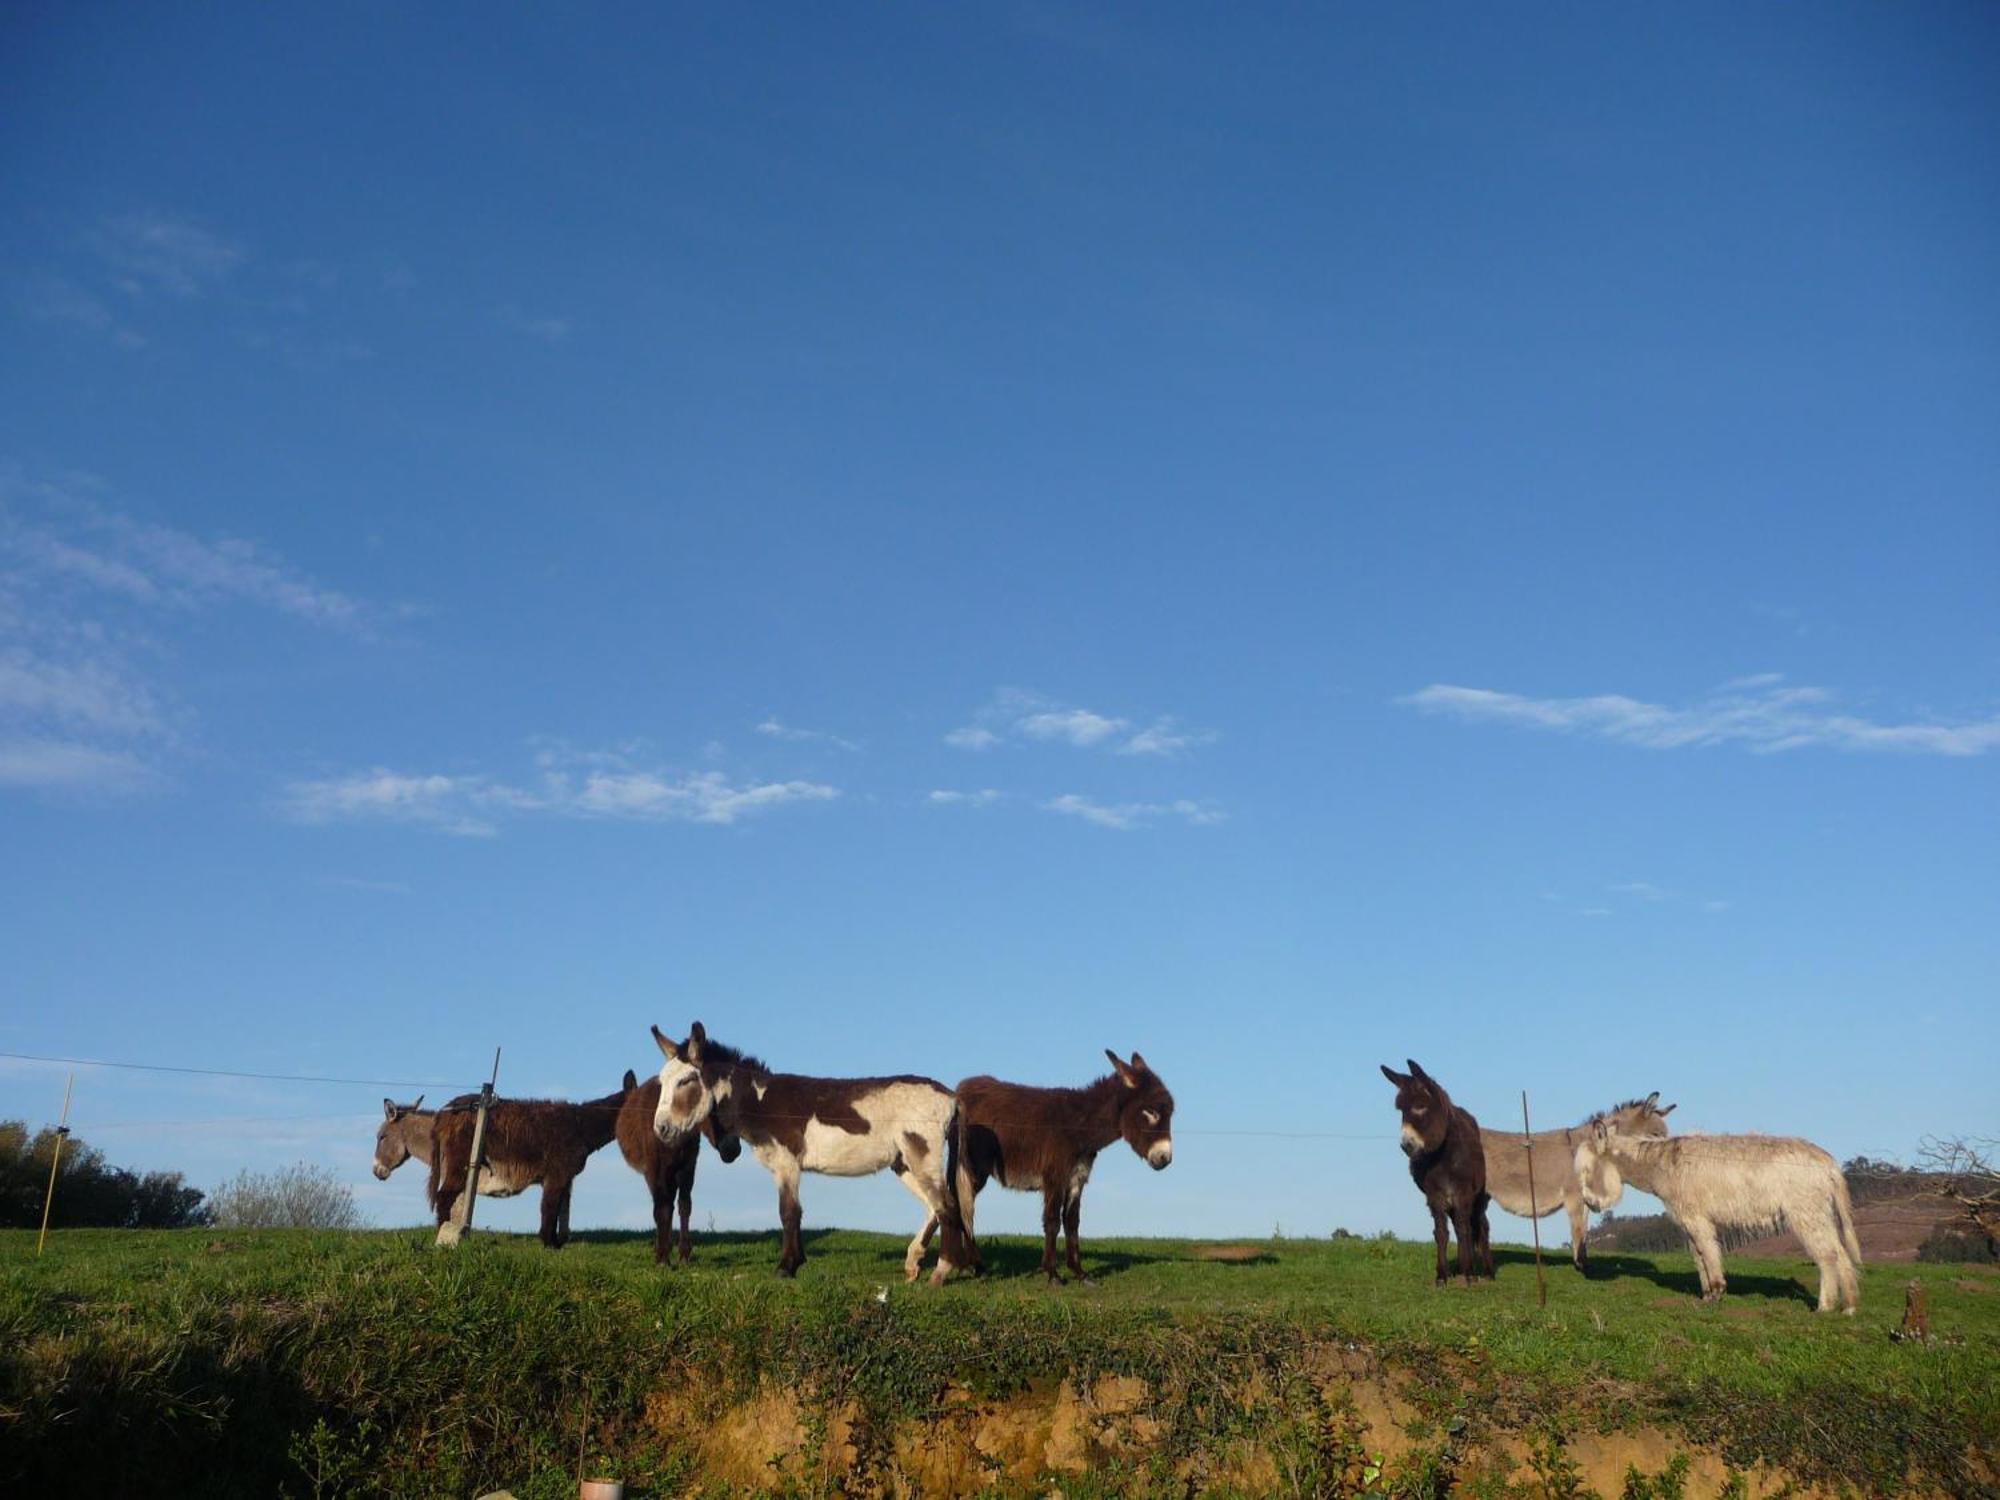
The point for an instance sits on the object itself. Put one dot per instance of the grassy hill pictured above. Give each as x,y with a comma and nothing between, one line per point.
322,1364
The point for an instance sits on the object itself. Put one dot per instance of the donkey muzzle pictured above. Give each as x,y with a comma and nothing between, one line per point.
1159,1154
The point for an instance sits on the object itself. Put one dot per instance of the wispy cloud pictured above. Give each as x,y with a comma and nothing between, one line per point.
1126,816
1015,714
53,765
84,593
62,532
773,728
165,253
550,330
1759,713
48,298
599,786
373,887
1633,895
985,797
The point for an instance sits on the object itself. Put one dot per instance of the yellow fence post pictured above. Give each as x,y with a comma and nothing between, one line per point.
55,1160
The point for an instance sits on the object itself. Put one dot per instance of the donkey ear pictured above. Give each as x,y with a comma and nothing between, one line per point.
668,1049
1417,1072
1663,1113
696,1039
631,1080
388,1109
1139,1064
1122,1068
1652,1100
417,1105
1399,1079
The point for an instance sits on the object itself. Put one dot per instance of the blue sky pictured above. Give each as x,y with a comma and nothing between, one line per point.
944,542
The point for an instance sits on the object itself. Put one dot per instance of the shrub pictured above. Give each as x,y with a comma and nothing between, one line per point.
301,1196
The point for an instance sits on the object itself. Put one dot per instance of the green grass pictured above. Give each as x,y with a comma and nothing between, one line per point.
243,1362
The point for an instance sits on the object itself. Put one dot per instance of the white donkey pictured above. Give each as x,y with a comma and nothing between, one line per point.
1742,1181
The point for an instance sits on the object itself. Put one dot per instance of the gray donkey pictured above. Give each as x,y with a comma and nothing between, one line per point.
1554,1152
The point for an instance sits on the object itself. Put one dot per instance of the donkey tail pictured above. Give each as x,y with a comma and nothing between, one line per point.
951,1223
1843,1213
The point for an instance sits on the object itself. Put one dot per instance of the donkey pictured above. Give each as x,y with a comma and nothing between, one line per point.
1028,1138
845,1127
668,1170
1447,1163
1554,1184
1744,1181
528,1141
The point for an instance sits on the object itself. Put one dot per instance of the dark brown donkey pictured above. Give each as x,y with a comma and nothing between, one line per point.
668,1170
1448,1163
528,1141
1027,1138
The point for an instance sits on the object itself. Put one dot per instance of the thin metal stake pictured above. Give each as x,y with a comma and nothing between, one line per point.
1534,1208
55,1160
479,1140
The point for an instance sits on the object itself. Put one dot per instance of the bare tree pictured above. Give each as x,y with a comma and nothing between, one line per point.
301,1196
1971,1179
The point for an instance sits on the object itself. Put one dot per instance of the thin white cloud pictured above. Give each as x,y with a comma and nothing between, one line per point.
473,806
46,298
451,804
985,797
1015,714
550,330
1074,726
1645,890
374,887
165,252
1165,737
1126,816
53,765
1758,713
776,729
86,592
82,694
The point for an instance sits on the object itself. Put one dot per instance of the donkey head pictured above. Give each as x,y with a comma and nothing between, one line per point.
1425,1107
392,1144
1145,1110
1596,1171
692,1083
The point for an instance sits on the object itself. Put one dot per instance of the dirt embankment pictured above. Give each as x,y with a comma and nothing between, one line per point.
1364,1438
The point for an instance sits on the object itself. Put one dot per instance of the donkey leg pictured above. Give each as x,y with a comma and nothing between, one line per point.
1483,1228
550,1236
1072,1212
562,1225
663,1221
1463,1216
789,1215
1707,1249
687,1207
1822,1242
1051,1217
1579,1230
1442,1235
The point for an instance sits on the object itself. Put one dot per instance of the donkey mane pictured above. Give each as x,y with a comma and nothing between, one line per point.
1605,1114
731,1057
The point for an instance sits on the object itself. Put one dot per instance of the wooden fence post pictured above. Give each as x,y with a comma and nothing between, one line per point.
479,1141
55,1160
1534,1207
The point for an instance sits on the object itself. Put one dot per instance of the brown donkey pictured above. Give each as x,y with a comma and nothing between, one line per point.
668,1170
1028,1138
528,1141
1448,1163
